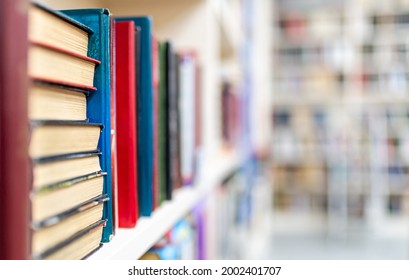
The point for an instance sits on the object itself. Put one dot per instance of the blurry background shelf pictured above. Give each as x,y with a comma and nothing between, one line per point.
341,82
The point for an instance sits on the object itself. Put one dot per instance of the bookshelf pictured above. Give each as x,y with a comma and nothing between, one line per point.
341,71
220,47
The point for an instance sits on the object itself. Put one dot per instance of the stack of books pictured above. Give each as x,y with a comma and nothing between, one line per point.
106,97
158,124
67,197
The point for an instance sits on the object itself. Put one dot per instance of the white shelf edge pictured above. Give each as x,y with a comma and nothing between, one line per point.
128,244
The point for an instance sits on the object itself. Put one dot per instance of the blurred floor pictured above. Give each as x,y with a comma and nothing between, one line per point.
305,237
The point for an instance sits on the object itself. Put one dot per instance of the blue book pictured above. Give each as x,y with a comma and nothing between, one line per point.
99,102
144,114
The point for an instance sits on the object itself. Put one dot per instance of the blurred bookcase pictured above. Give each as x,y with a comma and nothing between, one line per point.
341,111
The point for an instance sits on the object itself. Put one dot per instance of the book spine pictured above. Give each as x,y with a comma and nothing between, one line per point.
156,120
177,168
187,77
99,103
137,93
105,142
163,132
173,169
126,118
14,133
114,148
198,119
145,125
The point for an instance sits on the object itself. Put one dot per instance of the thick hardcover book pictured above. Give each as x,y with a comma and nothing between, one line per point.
78,246
14,135
126,124
56,29
53,138
99,103
156,120
56,65
61,227
49,101
145,115
59,197
53,169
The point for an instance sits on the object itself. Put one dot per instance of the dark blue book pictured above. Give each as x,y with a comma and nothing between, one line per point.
144,114
99,103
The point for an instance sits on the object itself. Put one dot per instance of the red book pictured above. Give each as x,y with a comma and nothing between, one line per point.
14,132
155,77
126,132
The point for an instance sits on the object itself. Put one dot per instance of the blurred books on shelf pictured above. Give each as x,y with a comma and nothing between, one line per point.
341,95
230,123
180,243
174,132
187,95
156,123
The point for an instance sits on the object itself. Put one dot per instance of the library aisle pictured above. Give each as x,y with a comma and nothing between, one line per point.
340,130
305,237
